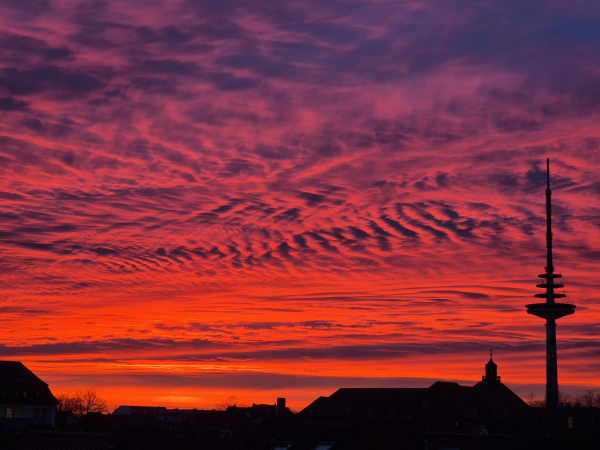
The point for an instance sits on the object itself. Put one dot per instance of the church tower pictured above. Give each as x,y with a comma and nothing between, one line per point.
491,371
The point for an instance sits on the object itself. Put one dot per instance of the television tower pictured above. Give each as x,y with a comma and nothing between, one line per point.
550,310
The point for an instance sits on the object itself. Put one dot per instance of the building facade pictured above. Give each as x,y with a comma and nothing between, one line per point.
25,401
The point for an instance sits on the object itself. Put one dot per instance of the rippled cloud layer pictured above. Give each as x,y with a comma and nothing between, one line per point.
269,199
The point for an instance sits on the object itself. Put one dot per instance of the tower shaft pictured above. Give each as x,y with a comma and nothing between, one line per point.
551,365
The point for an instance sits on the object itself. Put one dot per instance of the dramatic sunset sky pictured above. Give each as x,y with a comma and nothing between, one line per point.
276,199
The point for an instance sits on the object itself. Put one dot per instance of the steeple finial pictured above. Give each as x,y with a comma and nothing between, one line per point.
490,353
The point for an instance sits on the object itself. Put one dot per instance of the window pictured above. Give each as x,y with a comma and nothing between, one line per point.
9,413
36,413
18,413
44,412
16,394
24,394
37,394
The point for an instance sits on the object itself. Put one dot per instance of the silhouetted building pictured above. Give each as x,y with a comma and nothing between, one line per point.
25,400
200,416
550,310
487,416
55,440
443,405
146,413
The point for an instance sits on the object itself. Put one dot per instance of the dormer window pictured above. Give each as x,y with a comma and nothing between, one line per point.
37,394
24,394
16,394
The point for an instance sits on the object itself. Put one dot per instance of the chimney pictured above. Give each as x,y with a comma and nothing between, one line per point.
280,410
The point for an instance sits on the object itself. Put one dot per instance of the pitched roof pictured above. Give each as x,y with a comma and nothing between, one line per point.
14,373
127,410
20,386
484,399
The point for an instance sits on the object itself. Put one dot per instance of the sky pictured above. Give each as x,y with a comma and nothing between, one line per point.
264,199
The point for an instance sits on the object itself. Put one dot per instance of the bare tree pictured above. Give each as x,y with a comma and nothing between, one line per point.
67,402
91,403
232,400
82,403
531,399
563,397
587,400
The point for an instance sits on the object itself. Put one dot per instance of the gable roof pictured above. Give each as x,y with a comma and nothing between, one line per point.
20,386
15,373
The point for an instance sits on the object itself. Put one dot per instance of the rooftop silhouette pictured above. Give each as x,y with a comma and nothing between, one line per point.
487,399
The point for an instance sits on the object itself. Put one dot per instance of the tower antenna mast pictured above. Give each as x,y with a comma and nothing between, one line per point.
550,310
